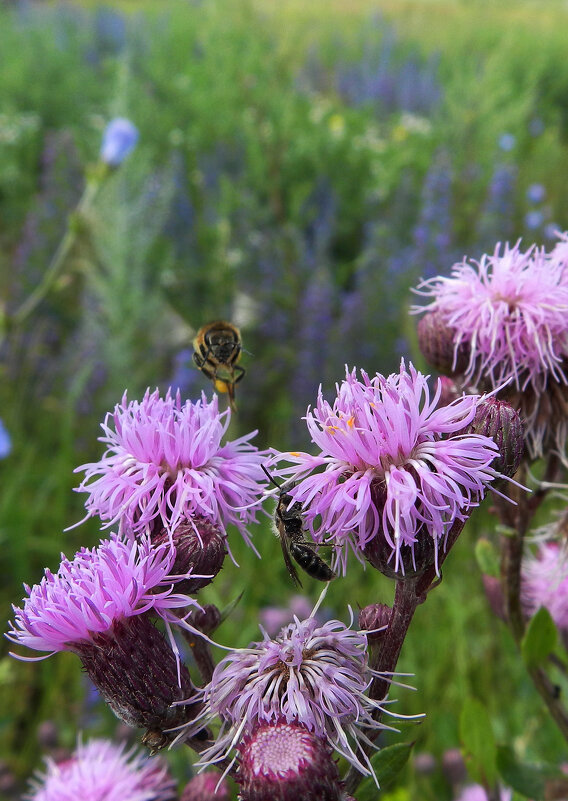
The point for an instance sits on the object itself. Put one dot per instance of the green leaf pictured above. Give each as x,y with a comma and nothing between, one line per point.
487,557
476,734
387,764
530,781
540,639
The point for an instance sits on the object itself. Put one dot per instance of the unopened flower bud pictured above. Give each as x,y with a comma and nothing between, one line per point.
285,762
136,672
208,786
200,550
437,341
206,619
374,617
500,421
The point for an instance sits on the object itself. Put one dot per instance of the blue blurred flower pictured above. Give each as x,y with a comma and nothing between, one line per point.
551,230
507,142
5,441
534,220
536,126
119,139
536,193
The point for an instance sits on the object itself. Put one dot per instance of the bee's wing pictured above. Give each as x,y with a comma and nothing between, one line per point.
287,558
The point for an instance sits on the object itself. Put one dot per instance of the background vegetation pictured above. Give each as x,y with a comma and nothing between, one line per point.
300,166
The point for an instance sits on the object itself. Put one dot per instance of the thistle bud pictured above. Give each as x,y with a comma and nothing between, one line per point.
500,421
285,762
437,341
136,672
200,550
374,617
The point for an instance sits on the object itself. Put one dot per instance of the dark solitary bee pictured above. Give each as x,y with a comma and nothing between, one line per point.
217,349
289,525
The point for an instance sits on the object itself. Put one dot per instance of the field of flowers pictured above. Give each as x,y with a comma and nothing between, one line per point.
295,168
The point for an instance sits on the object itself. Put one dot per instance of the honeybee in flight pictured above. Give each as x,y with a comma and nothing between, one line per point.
289,525
217,349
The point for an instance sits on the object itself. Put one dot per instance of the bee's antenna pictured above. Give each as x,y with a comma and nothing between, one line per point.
271,478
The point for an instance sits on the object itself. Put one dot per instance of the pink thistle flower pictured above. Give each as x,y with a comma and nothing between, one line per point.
103,771
511,311
475,792
311,674
165,462
206,787
397,468
98,607
99,587
544,582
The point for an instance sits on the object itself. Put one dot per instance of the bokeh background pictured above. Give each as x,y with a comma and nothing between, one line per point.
300,166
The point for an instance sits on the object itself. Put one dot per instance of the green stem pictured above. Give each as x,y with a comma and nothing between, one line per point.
60,256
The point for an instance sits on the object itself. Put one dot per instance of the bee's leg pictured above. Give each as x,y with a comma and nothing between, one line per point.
239,372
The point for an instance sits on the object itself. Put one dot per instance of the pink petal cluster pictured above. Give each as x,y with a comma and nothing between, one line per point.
165,461
312,674
87,595
544,580
392,463
103,771
511,311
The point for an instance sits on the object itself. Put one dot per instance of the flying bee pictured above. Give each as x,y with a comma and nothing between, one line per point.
289,525
217,349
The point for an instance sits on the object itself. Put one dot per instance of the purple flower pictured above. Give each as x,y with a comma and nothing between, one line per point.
536,193
511,310
89,594
103,771
311,674
5,441
165,462
119,140
206,787
507,142
396,468
475,792
273,618
545,582
534,220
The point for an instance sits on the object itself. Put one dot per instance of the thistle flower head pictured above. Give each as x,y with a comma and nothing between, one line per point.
284,762
544,582
311,674
103,771
510,311
90,593
165,463
397,468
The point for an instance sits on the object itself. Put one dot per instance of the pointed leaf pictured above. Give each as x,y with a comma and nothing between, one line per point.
540,639
476,734
387,764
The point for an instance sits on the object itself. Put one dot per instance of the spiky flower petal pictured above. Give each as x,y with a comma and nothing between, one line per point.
165,462
103,771
397,468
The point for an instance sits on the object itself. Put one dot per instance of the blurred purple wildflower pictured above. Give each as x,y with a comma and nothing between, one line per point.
165,462
98,587
103,771
273,618
311,674
496,220
534,220
545,582
475,792
507,142
536,193
5,441
395,466
119,140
